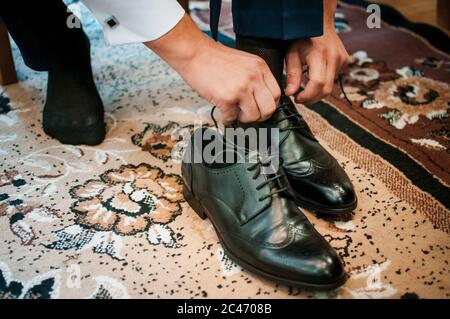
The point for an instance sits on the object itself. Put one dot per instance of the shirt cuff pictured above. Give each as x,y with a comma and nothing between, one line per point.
135,21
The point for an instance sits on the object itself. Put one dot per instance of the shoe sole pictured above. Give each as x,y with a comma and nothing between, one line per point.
326,210
201,212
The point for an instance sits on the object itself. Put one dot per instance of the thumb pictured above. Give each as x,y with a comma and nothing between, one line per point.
293,72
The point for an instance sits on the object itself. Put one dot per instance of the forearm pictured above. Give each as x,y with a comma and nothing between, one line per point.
329,10
179,46
239,84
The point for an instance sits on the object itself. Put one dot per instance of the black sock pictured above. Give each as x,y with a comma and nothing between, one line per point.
73,111
271,50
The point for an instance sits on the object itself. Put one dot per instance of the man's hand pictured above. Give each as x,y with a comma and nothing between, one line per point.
240,84
323,57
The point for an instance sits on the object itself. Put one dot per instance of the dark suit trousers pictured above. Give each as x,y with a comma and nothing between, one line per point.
40,30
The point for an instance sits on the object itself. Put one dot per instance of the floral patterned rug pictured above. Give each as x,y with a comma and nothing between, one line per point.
110,222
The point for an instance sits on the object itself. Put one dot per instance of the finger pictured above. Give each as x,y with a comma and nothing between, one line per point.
265,101
248,109
269,78
332,69
317,73
228,114
340,65
272,84
293,72
344,60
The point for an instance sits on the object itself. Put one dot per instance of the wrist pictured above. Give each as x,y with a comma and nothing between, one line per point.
329,12
329,30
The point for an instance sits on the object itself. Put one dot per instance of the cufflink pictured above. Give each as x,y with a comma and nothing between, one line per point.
112,22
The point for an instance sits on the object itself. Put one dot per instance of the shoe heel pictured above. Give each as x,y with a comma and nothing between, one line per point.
194,203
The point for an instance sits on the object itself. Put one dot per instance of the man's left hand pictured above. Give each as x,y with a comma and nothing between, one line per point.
323,57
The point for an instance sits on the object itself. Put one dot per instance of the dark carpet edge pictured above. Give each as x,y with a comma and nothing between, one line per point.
418,175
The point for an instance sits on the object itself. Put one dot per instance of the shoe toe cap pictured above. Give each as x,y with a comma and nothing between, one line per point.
310,260
329,269
337,193
332,189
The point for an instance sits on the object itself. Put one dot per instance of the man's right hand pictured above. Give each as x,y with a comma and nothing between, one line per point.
240,84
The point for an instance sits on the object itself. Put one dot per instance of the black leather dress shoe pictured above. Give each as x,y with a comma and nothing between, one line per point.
320,184
258,223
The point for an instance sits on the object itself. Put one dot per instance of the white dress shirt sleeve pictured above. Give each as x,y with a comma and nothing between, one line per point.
131,21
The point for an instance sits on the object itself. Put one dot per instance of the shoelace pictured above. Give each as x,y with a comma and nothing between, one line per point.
301,121
275,178
257,168
296,121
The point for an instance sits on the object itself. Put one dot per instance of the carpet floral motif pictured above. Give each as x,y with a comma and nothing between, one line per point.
164,142
131,200
19,211
404,92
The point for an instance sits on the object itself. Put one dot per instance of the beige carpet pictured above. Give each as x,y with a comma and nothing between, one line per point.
109,221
